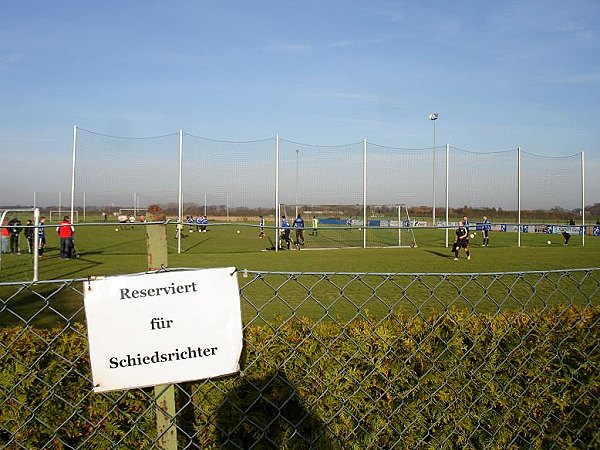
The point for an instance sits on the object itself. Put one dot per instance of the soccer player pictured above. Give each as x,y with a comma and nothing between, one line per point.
15,229
65,232
466,224
299,226
261,227
285,232
42,236
315,226
485,231
461,240
566,236
29,235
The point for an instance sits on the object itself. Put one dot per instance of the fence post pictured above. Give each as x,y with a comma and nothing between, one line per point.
164,395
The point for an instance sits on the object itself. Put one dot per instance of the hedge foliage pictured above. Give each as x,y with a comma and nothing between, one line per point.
452,381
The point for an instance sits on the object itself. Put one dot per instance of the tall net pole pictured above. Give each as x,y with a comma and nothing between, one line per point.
277,206
519,197
364,230
583,199
73,172
447,189
180,193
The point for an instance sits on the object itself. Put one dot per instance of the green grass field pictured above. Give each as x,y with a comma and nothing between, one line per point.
104,251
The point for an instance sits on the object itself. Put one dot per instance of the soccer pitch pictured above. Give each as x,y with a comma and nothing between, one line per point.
102,250
110,250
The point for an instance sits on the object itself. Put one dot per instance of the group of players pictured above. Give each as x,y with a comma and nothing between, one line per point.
462,236
201,223
286,230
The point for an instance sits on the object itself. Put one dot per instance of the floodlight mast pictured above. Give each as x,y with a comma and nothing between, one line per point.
433,117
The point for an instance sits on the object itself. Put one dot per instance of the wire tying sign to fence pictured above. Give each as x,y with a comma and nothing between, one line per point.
161,328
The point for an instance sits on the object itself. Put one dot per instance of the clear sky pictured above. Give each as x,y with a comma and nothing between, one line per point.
501,74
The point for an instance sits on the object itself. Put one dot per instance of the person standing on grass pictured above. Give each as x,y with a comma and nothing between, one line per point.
65,232
42,236
29,232
485,231
5,237
315,226
15,229
461,241
285,231
261,227
299,226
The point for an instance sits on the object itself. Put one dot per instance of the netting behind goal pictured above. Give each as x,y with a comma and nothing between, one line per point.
227,177
113,171
320,175
551,187
483,180
394,173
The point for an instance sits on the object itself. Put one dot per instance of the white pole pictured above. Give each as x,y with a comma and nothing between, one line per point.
276,228
36,243
34,199
447,189
433,180
583,198
72,174
297,157
84,206
180,194
205,204
519,196
365,223
399,225
59,205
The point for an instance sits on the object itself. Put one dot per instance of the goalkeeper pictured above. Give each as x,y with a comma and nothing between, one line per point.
461,241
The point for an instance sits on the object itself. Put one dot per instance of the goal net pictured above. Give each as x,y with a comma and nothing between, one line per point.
342,226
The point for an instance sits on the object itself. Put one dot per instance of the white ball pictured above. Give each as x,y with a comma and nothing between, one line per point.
472,235
549,242
238,231
116,229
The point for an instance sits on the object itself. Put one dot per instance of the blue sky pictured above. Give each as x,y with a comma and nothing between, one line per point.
500,74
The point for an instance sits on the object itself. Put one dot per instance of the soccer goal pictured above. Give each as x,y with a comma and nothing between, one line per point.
57,216
136,212
343,226
390,226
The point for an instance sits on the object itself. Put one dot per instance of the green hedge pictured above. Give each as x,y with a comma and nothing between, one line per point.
514,380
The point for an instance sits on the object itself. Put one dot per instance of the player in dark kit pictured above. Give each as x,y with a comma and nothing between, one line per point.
461,241
485,231
299,226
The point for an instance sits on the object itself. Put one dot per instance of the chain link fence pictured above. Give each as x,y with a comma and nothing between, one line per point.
332,361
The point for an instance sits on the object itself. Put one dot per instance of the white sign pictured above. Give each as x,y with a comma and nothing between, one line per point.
160,328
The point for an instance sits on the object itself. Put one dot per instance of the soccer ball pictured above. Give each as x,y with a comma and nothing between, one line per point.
238,231
472,235
549,242
116,229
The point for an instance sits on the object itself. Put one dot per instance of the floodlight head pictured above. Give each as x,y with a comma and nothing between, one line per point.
433,116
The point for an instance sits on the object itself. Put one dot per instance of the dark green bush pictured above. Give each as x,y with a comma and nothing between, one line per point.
513,380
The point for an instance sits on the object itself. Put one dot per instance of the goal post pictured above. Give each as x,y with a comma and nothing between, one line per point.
390,226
